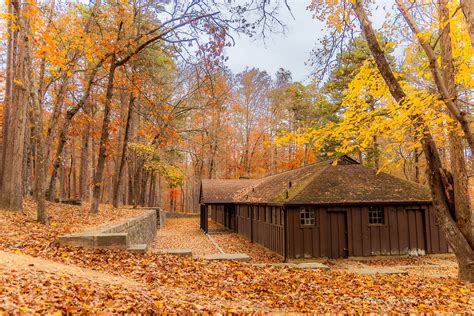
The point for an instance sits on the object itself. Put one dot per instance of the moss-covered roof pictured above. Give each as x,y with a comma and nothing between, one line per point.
222,191
321,183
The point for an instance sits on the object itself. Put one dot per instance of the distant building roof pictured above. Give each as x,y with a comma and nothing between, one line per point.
346,182
223,191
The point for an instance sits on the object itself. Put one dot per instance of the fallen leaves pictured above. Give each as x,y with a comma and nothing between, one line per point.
183,233
44,292
184,284
235,243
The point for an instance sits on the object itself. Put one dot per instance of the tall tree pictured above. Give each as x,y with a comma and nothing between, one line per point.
405,98
16,106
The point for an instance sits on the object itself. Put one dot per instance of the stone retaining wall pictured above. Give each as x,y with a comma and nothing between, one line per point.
139,230
133,233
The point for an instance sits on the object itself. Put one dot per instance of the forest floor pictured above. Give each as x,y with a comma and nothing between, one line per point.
38,276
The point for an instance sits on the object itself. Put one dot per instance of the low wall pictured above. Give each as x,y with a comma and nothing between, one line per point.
139,230
133,233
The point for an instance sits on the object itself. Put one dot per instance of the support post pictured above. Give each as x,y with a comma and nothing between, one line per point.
285,233
204,218
251,223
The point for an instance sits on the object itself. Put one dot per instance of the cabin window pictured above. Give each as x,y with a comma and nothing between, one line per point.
307,217
376,215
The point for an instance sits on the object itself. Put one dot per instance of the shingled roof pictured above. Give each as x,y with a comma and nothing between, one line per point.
346,182
223,191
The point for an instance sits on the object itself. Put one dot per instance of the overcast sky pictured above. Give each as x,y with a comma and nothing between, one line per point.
291,50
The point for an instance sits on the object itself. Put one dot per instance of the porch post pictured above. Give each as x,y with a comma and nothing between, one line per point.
204,218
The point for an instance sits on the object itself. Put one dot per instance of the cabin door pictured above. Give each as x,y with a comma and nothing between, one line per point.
416,232
338,244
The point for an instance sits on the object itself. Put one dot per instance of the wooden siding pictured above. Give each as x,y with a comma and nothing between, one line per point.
337,231
217,213
262,225
407,229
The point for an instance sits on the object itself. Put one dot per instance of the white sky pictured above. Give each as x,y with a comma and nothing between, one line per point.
290,50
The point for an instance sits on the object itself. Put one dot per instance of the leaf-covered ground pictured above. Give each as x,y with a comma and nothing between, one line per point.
185,284
185,233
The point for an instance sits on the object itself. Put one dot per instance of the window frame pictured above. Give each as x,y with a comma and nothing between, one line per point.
376,215
305,222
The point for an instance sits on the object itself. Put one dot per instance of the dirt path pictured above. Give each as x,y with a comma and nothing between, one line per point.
14,261
20,271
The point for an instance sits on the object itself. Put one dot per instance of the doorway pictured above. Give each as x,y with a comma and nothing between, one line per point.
338,243
416,232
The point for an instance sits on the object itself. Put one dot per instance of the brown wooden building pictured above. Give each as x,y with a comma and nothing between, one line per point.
327,210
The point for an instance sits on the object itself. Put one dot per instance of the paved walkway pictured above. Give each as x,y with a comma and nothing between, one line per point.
184,233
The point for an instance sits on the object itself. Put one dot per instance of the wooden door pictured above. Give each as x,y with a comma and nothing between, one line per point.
338,244
416,232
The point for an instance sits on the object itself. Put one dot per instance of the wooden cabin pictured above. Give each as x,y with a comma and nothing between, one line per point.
327,210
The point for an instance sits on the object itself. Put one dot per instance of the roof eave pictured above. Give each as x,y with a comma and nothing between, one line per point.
345,203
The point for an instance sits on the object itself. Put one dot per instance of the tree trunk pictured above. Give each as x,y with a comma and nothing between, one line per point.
467,7
117,194
136,186
104,138
84,172
458,114
73,111
375,153
11,195
455,238
27,160
65,127
462,199
41,164
416,162
10,68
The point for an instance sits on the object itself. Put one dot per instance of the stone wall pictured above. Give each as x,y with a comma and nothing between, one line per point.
133,233
139,230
